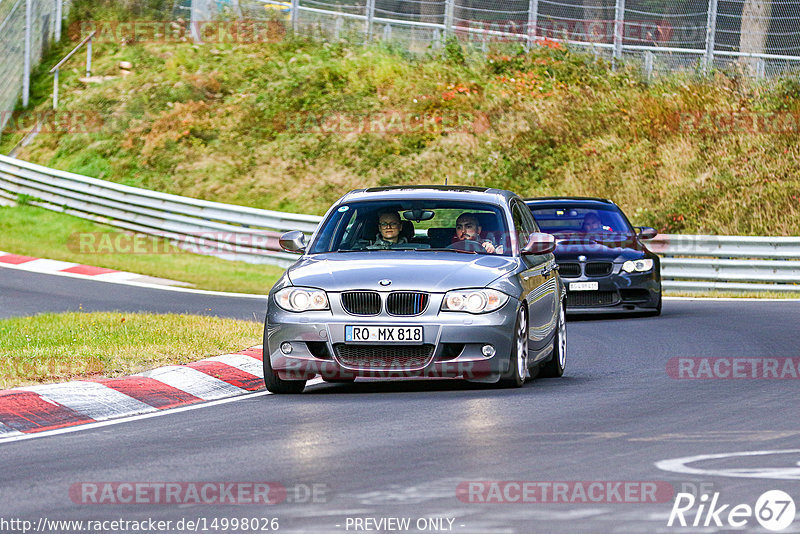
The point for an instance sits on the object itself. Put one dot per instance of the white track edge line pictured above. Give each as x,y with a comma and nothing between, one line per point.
139,284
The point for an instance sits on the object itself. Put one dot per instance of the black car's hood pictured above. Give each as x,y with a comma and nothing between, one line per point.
611,247
407,270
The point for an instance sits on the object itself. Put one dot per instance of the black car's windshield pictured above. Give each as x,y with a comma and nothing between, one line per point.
584,220
422,225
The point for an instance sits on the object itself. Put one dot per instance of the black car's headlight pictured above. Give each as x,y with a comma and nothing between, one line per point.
473,300
638,266
299,299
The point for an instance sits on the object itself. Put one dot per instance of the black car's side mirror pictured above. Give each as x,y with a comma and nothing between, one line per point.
539,243
645,232
294,241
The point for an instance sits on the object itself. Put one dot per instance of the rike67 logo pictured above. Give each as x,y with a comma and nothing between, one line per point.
774,510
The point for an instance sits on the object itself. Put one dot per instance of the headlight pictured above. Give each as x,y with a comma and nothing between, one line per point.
473,300
298,299
639,266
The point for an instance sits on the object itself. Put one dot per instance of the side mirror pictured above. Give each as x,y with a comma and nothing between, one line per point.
539,243
645,232
294,241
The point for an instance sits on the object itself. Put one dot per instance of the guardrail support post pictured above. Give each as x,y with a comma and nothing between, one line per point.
619,31
711,31
533,21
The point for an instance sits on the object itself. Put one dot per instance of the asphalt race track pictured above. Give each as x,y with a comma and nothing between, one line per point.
354,458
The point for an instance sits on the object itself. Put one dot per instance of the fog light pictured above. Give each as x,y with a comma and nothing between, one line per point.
488,351
286,347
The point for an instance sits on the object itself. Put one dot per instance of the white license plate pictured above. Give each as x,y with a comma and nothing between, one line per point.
409,335
583,286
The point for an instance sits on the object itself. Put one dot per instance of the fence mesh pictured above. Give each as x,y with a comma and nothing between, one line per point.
759,38
12,45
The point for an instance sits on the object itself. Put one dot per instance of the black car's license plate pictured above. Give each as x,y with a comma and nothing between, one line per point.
409,335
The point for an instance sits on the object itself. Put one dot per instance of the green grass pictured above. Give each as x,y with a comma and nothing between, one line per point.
246,124
66,346
32,231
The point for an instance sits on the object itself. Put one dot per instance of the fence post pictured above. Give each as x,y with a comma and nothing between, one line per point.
711,30
59,14
370,17
387,32
449,14
26,67
761,69
533,21
295,15
648,64
337,28
619,31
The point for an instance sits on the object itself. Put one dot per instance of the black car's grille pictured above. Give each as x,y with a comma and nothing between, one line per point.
406,303
598,269
361,302
577,299
569,270
384,357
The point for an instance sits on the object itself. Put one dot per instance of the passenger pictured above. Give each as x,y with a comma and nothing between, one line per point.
389,227
468,228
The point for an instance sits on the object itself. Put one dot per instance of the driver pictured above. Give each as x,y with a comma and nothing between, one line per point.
591,223
389,227
468,228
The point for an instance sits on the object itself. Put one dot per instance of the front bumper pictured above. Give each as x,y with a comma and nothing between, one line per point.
617,292
451,346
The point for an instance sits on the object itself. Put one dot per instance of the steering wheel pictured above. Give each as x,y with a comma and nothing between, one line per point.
468,245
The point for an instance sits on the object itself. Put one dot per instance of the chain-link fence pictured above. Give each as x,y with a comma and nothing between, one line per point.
27,27
759,38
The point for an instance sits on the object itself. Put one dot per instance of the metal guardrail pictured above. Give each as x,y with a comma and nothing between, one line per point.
213,228
728,263
689,262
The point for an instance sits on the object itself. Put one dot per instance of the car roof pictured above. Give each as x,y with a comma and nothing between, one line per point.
444,192
575,202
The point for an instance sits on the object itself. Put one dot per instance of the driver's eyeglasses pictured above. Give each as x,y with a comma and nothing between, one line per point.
389,224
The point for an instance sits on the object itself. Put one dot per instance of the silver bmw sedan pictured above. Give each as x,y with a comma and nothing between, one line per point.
418,282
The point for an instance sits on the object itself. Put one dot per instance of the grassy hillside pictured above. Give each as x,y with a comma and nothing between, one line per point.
276,125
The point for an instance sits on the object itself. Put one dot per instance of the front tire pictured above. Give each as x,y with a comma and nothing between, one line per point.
554,367
518,367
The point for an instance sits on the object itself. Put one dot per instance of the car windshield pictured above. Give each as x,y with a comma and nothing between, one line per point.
584,220
429,225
